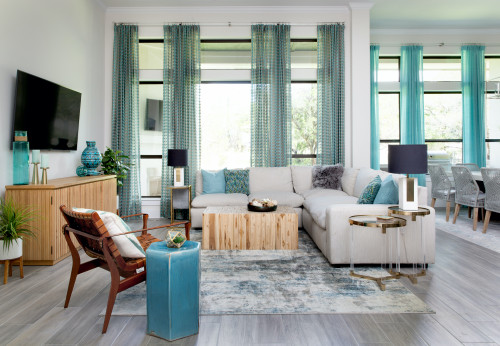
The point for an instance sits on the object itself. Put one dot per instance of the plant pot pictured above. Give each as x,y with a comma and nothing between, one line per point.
14,251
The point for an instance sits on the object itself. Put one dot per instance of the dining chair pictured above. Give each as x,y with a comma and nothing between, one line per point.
442,187
491,179
93,236
472,166
467,192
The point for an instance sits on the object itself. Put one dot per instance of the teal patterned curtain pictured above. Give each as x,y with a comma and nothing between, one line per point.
473,94
181,108
374,122
331,101
271,119
125,113
412,98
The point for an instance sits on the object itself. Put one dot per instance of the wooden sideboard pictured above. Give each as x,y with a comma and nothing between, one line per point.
49,246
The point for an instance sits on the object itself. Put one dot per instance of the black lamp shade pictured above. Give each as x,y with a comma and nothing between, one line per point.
408,159
177,157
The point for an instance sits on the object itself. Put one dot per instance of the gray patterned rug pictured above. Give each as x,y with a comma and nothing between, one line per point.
282,282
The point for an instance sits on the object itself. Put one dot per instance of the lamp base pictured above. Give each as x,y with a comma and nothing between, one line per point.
408,194
179,176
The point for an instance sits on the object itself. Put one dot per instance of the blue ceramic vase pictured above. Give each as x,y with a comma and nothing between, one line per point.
91,158
21,156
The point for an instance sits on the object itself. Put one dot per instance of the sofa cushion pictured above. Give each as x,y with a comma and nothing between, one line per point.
328,177
364,177
220,200
349,180
301,178
317,204
322,192
270,179
370,191
237,180
290,199
213,182
388,193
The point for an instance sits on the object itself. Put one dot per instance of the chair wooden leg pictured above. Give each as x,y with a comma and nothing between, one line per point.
113,291
74,269
486,220
448,206
187,227
469,212
10,267
433,201
457,210
21,270
474,222
482,214
6,271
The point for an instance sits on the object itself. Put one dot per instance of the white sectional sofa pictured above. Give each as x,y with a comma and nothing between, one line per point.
324,213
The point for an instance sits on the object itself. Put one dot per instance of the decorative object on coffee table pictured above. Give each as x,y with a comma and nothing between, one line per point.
262,205
382,222
173,290
175,239
236,228
416,272
408,159
35,160
21,158
91,158
178,158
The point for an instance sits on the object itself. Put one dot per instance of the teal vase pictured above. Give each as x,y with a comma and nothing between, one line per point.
91,158
21,153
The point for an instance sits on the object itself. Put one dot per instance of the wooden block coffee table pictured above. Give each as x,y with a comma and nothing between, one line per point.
236,228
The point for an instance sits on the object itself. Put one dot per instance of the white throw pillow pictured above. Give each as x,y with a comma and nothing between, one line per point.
349,180
365,176
302,178
270,179
127,244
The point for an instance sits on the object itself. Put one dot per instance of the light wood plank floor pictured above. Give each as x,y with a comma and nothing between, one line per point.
463,287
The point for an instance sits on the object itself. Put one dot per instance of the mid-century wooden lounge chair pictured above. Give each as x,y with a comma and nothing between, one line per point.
91,233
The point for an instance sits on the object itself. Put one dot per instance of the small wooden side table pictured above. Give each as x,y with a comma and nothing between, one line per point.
8,268
180,198
422,212
381,222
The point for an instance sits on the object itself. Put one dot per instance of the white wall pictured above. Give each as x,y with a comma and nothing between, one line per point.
214,24
62,41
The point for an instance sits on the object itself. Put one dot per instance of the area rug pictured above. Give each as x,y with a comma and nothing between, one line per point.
463,229
283,282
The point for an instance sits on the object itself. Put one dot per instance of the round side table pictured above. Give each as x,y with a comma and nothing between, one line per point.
422,212
383,223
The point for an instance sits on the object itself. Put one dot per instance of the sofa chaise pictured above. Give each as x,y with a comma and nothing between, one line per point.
324,213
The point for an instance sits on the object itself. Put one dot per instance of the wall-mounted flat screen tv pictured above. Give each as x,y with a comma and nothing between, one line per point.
48,111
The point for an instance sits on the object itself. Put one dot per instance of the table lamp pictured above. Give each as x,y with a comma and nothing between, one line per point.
408,159
178,158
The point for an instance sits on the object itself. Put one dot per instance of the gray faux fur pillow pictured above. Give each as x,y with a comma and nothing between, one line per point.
328,177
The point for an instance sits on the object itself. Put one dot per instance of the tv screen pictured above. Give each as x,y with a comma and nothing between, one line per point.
49,112
154,110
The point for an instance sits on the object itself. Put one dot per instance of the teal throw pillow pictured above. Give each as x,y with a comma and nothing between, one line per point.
388,193
237,180
370,192
213,182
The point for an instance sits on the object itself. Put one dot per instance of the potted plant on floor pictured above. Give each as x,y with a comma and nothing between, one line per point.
113,162
14,226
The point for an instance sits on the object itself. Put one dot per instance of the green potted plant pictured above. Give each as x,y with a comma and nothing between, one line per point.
113,162
14,226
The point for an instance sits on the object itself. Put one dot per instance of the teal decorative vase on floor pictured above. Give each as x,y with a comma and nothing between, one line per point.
91,158
21,153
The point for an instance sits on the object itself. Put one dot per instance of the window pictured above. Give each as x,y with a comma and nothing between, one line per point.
304,123
389,122
492,71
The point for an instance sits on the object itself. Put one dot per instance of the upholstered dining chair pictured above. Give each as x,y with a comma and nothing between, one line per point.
442,187
467,192
471,166
91,233
491,180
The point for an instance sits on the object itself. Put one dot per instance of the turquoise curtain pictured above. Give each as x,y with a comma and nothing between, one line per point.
271,114
331,111
473,94
125,113
181,108
374,122
412,98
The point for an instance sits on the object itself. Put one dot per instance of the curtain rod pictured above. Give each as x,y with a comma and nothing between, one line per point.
441,44
229,24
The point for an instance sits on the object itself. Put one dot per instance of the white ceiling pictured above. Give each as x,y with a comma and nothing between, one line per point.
385,14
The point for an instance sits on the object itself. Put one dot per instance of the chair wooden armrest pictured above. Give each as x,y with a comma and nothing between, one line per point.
144,219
